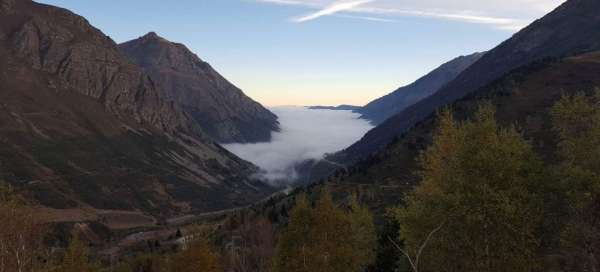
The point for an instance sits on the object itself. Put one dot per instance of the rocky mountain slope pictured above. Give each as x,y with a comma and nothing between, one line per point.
223,111
382,108
571,29
82,126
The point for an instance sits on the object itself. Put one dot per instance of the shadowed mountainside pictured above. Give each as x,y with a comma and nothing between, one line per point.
222,110
82,126
382,108
571,29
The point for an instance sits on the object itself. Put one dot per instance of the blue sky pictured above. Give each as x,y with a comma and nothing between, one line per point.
328,52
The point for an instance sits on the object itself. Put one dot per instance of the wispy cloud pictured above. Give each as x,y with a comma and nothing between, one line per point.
511,24
509,15
368,18
335,7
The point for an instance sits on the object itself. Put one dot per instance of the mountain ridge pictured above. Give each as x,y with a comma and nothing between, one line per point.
223,111
82,126
570,29
380,109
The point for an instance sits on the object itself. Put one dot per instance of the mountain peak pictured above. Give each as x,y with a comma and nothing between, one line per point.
222,109
153,36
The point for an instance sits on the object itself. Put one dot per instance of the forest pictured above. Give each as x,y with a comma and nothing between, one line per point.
486,201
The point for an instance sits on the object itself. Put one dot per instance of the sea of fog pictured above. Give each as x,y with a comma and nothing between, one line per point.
305,134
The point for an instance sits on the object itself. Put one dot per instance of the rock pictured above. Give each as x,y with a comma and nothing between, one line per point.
221,109
83,125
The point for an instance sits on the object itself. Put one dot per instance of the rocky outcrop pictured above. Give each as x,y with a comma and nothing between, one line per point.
222,110
383,108
87,61
83,126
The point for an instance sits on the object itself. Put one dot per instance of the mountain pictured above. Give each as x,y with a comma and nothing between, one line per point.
224,111
523,98
81,126
340,107
382,108
571,29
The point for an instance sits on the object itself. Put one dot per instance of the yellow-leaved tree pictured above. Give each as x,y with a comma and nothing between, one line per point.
21,234
326,238
576,119
476,208
76,258
198,255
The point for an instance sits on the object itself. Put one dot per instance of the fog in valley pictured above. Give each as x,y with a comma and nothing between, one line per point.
305,134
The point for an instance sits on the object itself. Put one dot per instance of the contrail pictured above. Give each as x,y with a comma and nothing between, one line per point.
334,8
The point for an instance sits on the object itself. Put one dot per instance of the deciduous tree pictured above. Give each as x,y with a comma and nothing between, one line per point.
576,119
477,208
21,234
76,258
326,237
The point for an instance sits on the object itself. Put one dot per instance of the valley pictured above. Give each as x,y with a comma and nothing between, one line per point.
154,154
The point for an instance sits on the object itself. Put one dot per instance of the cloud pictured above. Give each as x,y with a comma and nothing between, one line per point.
305,134
335,7
510,15
497,22
368,18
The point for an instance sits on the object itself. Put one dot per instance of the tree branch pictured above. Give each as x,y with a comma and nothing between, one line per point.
414,267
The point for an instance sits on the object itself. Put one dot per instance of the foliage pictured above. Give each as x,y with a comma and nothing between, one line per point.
76,258
363,231
326,237
295,252
477,208
198,255
21,234
256,247
576,119
386,258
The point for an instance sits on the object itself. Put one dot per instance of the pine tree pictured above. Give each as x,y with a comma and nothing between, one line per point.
476,208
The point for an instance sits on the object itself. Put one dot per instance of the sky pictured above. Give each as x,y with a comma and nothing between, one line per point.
328,130
318,52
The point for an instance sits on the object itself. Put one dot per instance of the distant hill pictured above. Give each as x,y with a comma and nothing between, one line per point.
382,108
82,126
340,107
571,29
223,111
